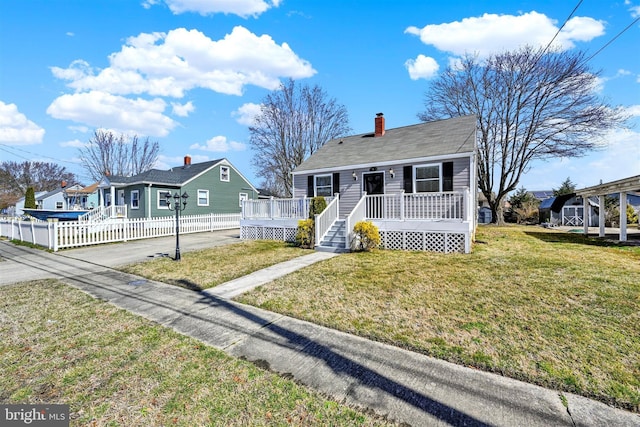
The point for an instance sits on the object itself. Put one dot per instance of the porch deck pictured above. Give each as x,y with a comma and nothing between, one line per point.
441,222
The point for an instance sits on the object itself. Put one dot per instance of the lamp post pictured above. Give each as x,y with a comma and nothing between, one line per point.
177,207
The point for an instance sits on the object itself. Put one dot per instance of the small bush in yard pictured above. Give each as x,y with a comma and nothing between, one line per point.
318,204
305,233
366,237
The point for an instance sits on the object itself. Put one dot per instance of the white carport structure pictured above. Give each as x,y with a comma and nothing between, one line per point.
623,187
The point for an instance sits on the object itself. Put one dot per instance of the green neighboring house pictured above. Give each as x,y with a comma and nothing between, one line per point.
215,186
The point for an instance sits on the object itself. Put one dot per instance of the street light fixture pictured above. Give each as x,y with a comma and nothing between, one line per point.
177,207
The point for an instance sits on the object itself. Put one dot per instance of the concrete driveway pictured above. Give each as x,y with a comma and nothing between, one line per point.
116,254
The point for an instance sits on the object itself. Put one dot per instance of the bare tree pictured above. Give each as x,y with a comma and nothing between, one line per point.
16,177
293,123
111,154
530,104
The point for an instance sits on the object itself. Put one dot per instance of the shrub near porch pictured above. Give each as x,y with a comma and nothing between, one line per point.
546,307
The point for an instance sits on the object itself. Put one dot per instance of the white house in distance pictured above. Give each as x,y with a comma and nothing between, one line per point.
416,183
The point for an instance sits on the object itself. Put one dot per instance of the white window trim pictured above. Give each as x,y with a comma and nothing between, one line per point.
198,197
137,198
59,205
415,175
241,197
228,173
161,194
315,183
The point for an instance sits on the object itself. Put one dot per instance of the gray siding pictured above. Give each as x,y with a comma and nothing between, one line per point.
351,191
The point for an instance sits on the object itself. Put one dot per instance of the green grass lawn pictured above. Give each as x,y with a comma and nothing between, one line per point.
547,307
113,368
212,267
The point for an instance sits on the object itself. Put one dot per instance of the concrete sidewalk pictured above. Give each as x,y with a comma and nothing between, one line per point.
404,386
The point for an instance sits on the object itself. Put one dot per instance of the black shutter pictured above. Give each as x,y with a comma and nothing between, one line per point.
310,186
407,173
447,176
336,183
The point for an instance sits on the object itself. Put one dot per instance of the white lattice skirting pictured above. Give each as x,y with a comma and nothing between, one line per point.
285,234
423,241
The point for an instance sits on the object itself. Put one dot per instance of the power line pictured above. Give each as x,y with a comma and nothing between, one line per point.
613,39
561,27
34,154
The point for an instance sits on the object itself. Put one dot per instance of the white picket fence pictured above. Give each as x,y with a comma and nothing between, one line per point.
69,234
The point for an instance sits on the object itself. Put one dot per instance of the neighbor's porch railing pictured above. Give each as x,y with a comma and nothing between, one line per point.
277,208
103,212
449,206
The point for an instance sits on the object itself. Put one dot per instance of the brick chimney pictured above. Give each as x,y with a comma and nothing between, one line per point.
187,160
379,124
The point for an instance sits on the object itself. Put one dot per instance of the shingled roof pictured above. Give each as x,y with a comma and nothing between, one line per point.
431,139
178,175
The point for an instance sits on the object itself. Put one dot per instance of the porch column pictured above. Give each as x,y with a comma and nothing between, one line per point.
623,216
601,215
586,218
112,194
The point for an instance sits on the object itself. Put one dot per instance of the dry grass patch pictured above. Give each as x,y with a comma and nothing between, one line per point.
113,368
543,306
211,267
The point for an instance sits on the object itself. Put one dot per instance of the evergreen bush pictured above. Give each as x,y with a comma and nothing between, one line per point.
30,199
318,204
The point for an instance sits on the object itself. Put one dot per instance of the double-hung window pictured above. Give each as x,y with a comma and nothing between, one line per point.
242,197
323,185
135,199
224,173
428,178
203,197
162,200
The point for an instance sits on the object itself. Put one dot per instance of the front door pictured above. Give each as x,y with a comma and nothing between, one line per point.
120,198
373,185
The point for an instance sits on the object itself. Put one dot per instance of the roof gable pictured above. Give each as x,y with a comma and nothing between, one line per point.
178,175
439,138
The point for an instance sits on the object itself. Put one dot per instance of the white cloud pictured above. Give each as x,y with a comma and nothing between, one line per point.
632,110
247,113
635,10
491,33
168,64
219,144
76,143
182,110
423,67
620,158
100,109
80,129
16,129
243,8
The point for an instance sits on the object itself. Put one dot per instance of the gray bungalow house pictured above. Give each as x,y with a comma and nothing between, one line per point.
416,183
213,187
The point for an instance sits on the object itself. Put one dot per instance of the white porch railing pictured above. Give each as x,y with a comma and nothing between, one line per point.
357,214
277,208
102,212
324,220
449,206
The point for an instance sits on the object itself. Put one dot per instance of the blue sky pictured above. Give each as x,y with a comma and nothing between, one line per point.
190,73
